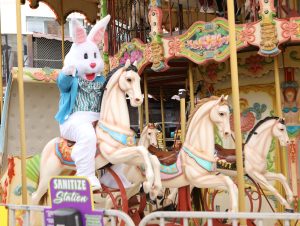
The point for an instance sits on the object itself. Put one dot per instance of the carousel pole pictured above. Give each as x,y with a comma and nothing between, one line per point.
182,95
191,86
141,118
1,74
62,27
283,160
103,13
236,107
146,99
162,110
21,103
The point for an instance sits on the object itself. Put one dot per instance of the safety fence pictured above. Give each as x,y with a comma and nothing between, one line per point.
115,216
165,217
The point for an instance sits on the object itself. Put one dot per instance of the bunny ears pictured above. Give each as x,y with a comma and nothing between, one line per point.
96,35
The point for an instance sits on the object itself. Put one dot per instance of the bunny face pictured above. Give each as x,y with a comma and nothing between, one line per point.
84,54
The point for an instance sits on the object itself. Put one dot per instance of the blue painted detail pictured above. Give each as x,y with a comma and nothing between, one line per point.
270,52
202,162
171,169
122,138
209,54
58,153
18,190
3,125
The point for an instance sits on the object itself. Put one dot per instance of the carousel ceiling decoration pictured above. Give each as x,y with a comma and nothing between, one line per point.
62,8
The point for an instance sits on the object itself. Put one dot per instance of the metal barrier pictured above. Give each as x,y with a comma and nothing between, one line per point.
111,214
286,217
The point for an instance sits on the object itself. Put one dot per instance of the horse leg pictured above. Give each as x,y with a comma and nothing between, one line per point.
157,187
282,179
263,181
132,155
52,167
219,181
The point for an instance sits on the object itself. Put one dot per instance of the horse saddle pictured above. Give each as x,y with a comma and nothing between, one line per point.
227,157
64,147
165,157
63,150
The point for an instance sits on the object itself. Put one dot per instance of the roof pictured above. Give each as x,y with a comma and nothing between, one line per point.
62,8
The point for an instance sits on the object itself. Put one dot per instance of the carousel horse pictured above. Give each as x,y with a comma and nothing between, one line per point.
148,137
255,150
116,142
195,161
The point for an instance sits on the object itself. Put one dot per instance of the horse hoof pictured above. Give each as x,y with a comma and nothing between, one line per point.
289,210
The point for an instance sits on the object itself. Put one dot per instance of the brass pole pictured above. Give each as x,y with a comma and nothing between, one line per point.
62,26
146,99
1,74
236,107
21,103
283,166
141,118
182,95
191,86
162,110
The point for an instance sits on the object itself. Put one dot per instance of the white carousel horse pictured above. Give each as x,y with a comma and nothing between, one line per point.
256,150
194,164
148,137
115,139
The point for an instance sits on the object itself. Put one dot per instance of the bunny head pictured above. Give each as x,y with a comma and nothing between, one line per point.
84,54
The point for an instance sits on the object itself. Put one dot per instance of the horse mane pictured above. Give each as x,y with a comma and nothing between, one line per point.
110,74
199,104
253,131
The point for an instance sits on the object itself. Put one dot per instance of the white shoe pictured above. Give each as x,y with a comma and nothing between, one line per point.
95,183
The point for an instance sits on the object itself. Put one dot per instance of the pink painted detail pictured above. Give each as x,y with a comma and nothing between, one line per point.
158,14
247,35
98,36
42,76
114,62
208,42
148,52
289,29
165,176
174,46
255,63
247,122
80,35
212,72
135,55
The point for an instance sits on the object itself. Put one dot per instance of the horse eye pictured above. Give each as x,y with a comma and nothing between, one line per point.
128,79
281,129
221,114
95,55
85,56
149,134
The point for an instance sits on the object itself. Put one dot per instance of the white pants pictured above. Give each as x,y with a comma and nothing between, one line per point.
79,128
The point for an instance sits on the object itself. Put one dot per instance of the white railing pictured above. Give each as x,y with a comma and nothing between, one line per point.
113,215
186,216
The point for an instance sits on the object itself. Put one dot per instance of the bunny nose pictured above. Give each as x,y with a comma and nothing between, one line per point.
93,65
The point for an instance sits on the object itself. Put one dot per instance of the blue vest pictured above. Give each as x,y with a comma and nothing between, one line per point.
68,87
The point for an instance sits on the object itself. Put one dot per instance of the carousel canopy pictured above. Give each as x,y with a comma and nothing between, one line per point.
62,8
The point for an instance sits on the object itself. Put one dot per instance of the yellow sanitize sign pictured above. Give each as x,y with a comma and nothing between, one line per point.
3,216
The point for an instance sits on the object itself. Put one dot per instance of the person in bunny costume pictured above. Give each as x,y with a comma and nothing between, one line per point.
80,83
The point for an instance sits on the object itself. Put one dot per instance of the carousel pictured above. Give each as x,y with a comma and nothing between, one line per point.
210,89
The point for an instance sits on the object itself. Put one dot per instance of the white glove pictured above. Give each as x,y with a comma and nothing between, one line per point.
69,70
